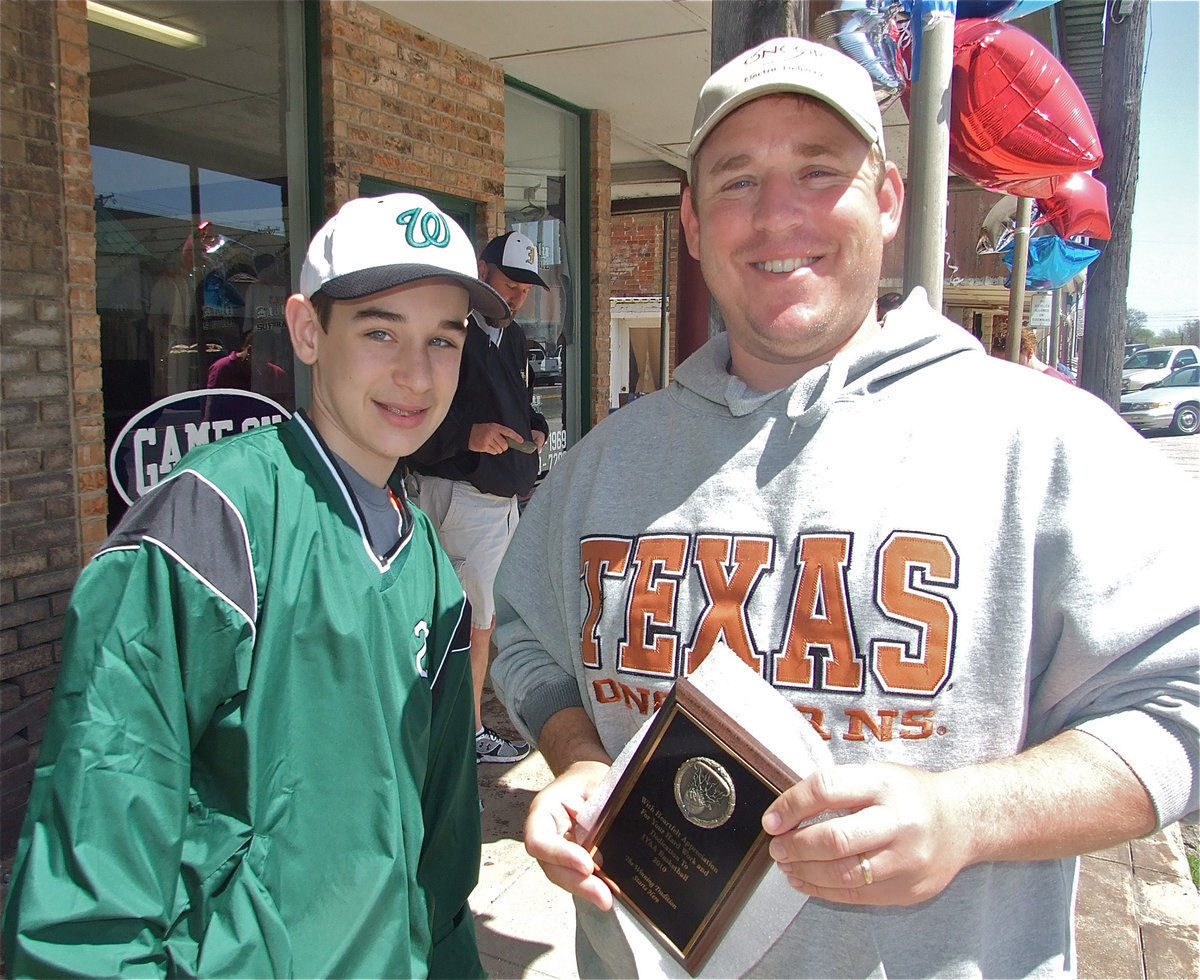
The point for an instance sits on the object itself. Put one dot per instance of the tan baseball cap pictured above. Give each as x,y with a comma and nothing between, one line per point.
790,64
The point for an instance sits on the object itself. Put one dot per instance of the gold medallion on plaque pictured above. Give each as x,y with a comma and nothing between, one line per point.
704,792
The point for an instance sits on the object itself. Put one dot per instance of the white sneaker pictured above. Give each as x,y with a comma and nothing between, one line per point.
493,747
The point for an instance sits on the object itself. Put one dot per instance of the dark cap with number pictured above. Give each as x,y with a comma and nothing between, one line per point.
516,256
378,243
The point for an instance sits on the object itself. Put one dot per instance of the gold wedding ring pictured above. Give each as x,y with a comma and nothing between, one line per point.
866,869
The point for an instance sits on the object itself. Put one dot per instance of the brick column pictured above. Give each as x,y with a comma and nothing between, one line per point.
600,245
52,484
406,107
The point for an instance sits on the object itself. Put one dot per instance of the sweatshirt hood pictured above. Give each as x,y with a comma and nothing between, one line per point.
914,336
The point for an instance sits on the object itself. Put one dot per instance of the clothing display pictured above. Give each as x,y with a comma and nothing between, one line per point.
925,549
492,387
241,369
258,761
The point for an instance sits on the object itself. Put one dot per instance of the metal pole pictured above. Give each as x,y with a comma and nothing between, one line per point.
1055,332
664,324
1016,292
928,158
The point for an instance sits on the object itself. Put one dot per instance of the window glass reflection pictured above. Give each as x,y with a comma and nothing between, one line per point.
190,169
541,201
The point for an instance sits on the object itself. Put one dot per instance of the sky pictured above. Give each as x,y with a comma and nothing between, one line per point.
1164,268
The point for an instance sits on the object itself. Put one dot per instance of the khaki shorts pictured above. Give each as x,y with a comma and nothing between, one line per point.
474,529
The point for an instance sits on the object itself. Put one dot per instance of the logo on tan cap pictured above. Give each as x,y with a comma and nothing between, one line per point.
790,64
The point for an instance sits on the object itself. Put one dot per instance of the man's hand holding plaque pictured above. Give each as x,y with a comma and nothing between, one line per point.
676,830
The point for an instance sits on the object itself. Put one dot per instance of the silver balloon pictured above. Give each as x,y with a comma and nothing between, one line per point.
866,31
999,228
996,233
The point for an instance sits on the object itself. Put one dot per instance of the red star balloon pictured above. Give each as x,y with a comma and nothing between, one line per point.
1016,115
1078,207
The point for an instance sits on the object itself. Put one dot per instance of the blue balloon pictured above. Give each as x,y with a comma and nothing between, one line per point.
1053,261
1000,9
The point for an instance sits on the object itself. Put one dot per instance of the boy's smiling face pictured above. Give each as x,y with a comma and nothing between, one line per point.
384,369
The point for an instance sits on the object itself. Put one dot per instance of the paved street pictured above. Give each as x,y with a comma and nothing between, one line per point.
1184,450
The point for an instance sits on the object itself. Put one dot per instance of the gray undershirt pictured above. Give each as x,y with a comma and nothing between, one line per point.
384,525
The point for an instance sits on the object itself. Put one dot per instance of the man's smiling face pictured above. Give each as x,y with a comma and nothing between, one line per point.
788,219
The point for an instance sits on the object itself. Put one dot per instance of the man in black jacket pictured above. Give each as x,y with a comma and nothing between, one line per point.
483,457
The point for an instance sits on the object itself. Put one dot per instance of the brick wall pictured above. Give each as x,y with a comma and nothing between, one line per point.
52,482
406,107
600,245
966,210
637,245
637,253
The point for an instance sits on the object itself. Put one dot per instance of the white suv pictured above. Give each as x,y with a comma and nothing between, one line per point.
1155,363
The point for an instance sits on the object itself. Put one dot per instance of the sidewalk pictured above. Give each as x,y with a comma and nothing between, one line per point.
525,925
1138,914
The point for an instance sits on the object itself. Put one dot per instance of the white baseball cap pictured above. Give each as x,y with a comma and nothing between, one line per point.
376,243
790,64
517,257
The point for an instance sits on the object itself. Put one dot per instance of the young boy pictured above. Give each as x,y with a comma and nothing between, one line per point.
259,760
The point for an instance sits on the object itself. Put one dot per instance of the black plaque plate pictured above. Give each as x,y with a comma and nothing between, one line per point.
680,840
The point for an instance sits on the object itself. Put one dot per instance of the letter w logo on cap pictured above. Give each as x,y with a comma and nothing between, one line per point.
430,226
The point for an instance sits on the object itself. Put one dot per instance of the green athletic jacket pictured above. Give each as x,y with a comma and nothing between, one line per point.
259,760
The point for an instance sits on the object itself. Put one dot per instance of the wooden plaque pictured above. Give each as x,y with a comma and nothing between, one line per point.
680,840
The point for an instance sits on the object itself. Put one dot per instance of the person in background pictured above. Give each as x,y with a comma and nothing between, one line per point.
258,759
886,303
266,299
240,369
470,475
926,552
1028,353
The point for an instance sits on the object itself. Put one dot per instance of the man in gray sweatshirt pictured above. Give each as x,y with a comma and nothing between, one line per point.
923,548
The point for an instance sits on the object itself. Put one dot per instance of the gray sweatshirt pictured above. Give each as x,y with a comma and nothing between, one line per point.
927,550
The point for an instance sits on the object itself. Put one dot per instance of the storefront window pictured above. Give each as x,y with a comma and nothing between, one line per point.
198,213
542,201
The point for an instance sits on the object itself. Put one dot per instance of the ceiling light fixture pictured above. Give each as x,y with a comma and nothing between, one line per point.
152,30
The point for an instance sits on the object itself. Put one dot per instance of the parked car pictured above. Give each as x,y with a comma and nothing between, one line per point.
543,366
1154,363
1173,403
1133,349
